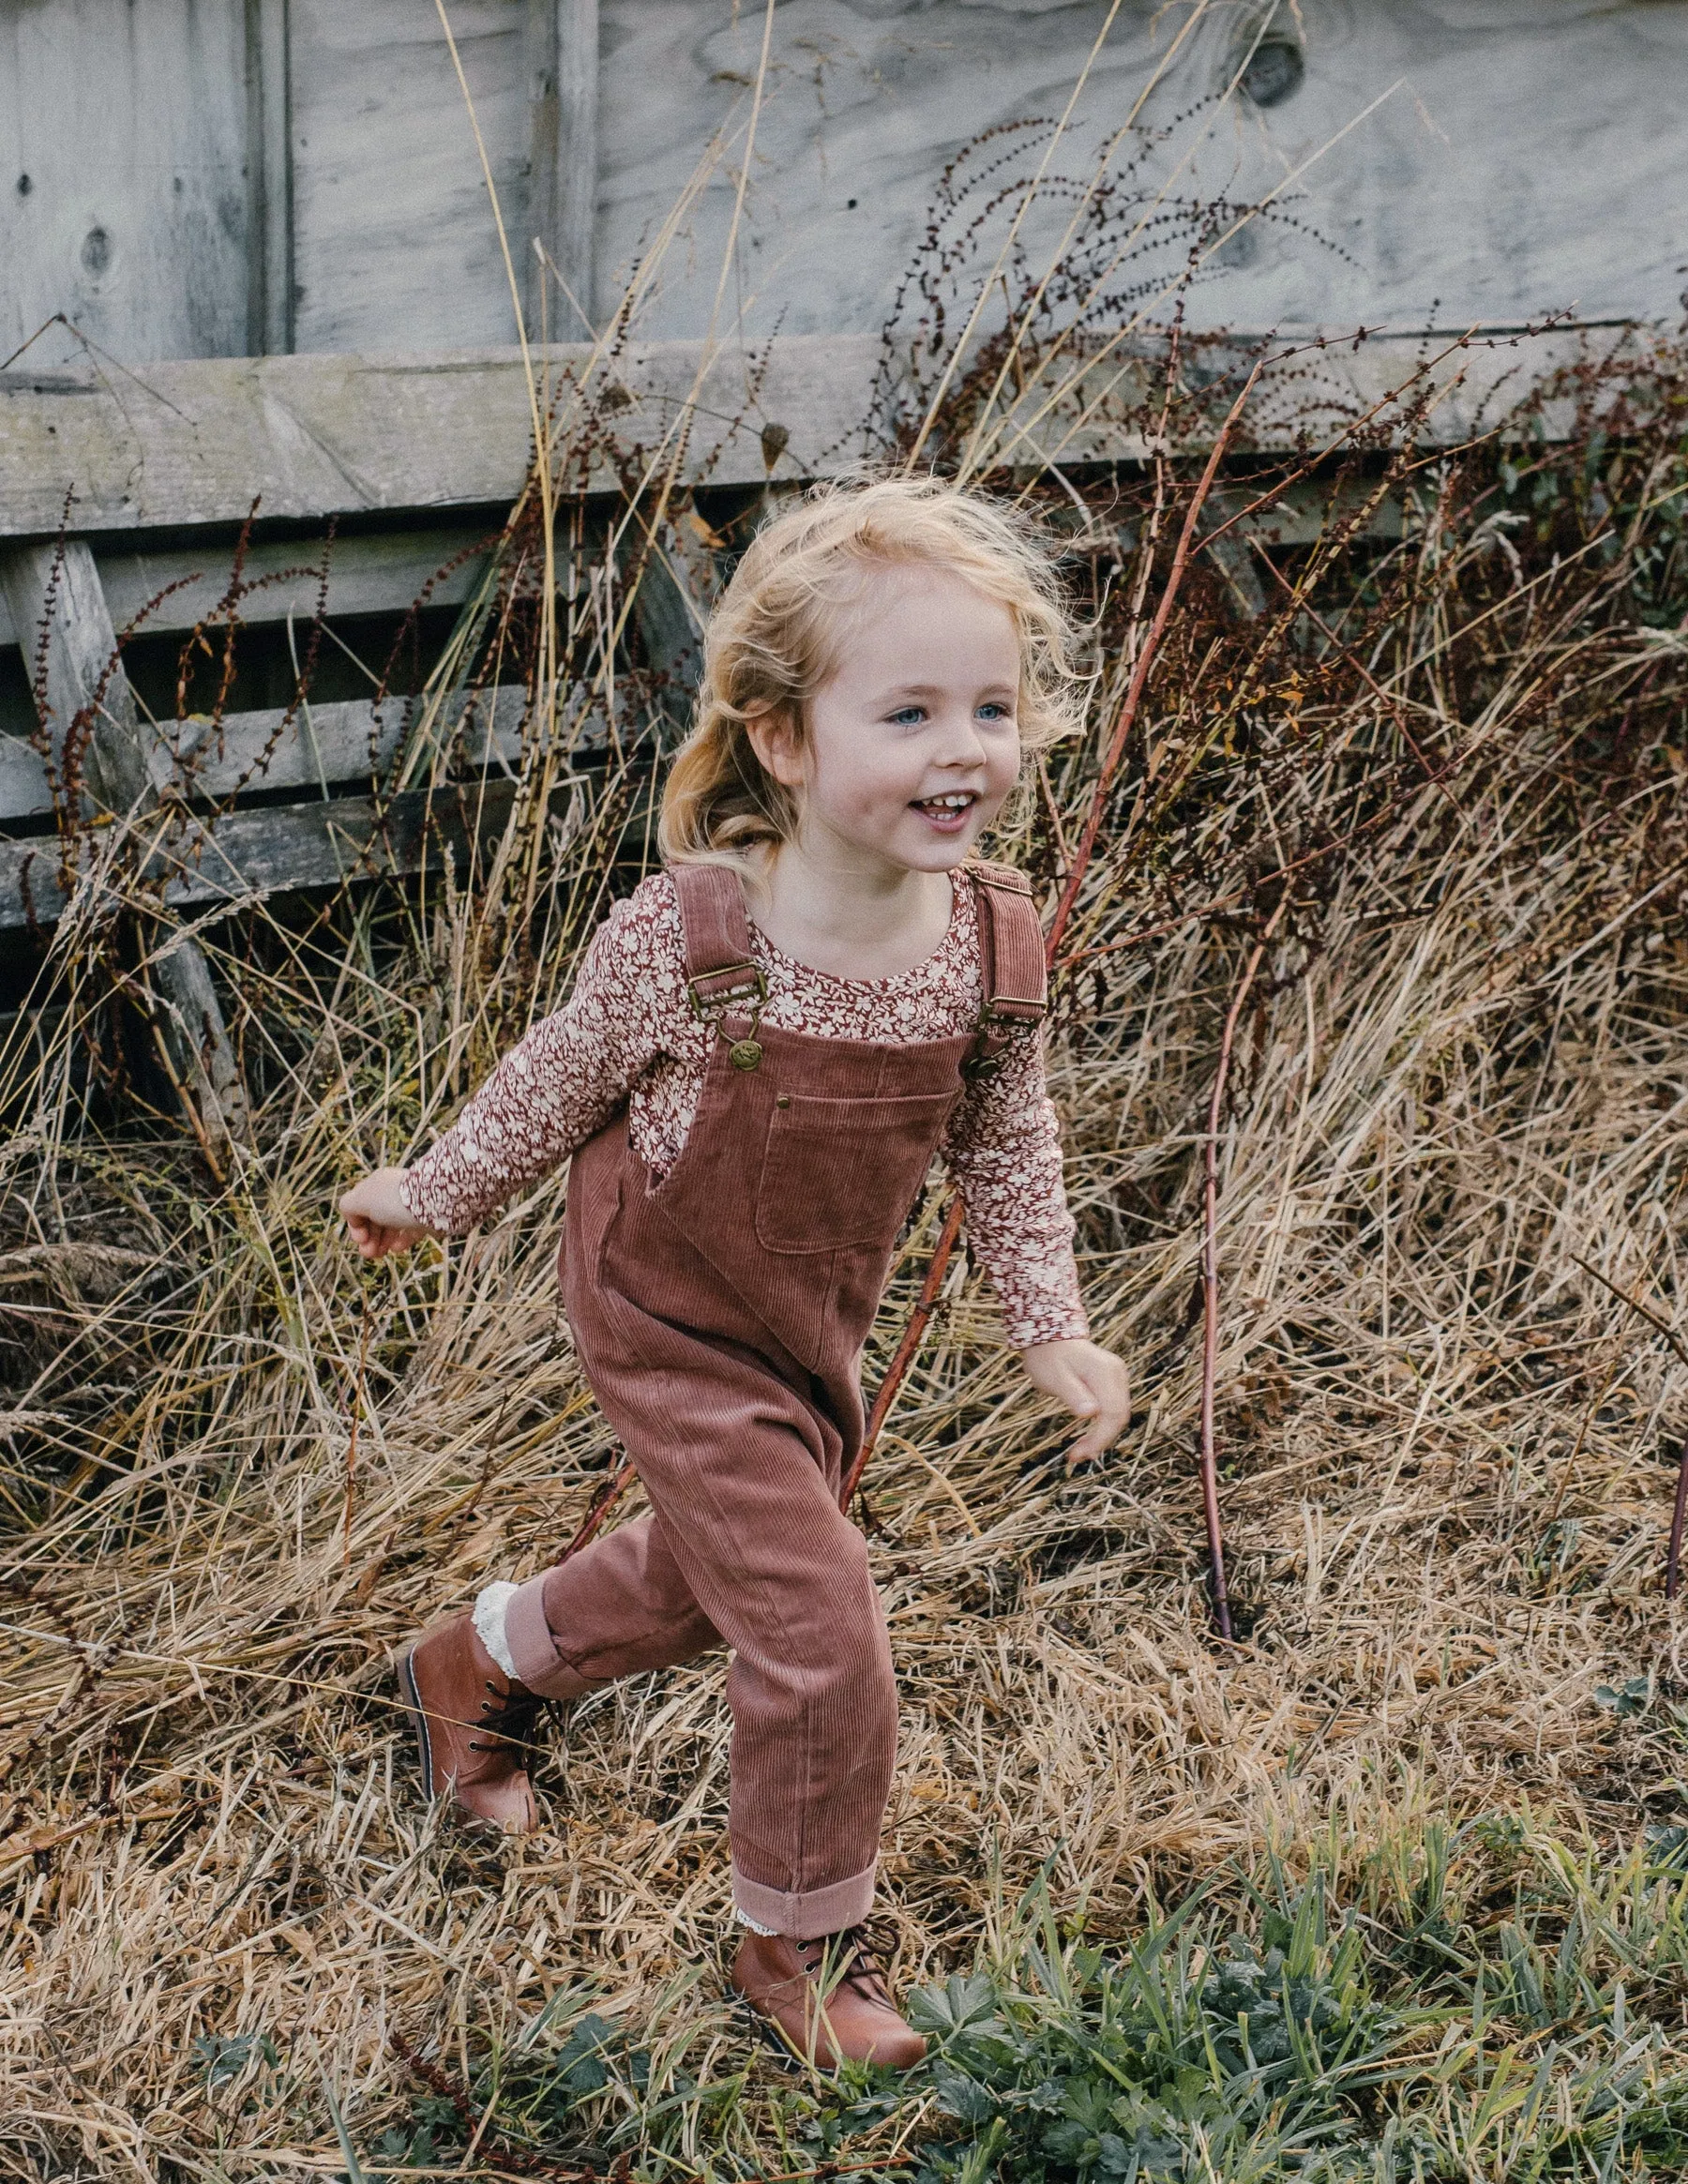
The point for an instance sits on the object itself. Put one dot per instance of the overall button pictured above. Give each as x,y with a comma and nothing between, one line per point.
745,1053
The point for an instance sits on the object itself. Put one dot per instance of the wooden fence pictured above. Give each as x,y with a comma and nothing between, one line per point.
117,487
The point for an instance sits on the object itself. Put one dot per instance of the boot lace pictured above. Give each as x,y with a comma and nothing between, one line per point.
847,1958
506,1722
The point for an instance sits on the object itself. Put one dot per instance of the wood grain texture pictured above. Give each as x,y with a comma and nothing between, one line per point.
269,177
322,749
169,590
1517,160
1524,159
245,855
562,48
394,247
123,190
308,436
57,591
123,768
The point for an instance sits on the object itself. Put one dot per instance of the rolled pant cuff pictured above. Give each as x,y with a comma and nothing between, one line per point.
533,1649
806,1914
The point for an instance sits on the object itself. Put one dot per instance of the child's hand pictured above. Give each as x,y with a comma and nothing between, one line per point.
378,1217
1091,1383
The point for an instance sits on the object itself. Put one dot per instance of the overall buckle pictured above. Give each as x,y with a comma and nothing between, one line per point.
751,985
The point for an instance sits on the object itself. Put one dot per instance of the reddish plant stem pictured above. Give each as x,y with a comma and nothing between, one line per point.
913,1335
608,1496
1673,1560
926,1303
1140,676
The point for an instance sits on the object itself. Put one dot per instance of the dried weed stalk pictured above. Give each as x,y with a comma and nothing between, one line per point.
1373,954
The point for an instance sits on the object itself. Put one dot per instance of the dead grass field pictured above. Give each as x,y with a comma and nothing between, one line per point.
1435,765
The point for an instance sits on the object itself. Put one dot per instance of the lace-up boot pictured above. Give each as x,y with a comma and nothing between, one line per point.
473,1722
827,1998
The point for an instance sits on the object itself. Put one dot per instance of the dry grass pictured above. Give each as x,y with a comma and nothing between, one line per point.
239,1470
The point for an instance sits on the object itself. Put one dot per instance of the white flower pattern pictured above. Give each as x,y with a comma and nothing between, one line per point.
627,1037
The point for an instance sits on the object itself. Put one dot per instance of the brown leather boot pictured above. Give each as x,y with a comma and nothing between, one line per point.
473,1722
827,1997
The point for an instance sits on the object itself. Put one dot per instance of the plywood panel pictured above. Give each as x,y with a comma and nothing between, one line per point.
123,190
1529,158
1534,158
395,246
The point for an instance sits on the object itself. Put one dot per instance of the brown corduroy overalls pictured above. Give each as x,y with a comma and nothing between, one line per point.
720,1316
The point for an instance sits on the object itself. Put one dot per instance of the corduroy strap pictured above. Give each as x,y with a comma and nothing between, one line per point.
1016,982
1014,976
720,975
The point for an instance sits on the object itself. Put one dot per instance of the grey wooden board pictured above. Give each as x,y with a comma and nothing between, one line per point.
129,123
23,787
248,854
1528,157
79,672
197,442
316,435
320,746
378,575
269,169
395,246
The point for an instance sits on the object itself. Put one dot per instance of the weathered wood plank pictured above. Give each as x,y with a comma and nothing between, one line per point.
123,198
573,211
563,48
269,177
23,789
59,589
308,436
246,855
320,748
1522,160
394,242
1510,161
375,575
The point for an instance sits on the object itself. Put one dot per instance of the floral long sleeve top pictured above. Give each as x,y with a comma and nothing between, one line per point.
627,1037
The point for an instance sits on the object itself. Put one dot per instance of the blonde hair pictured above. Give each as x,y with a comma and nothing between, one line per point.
774,638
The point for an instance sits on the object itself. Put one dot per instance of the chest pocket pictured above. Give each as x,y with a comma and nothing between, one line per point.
840,1175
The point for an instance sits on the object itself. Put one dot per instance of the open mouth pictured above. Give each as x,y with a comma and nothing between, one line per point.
950,809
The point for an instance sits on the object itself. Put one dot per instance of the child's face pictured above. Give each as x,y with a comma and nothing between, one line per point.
913,743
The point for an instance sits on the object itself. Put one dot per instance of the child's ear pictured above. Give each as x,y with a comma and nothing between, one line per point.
779,750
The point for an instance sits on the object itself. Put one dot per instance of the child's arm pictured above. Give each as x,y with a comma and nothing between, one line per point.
1004,1149
547,1095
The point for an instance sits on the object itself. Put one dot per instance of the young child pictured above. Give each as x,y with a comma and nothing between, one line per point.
766,1044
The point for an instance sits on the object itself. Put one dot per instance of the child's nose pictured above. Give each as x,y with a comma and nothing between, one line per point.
962,743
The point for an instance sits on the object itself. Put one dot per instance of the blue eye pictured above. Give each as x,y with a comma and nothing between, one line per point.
993,709
908,716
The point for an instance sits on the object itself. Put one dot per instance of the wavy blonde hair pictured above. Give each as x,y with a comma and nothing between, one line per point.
776,636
